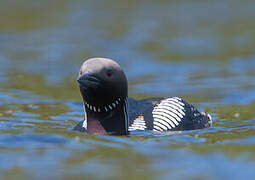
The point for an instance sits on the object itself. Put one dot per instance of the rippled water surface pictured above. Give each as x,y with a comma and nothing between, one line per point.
203,51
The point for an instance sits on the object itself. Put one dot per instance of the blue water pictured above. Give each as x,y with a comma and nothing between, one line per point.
201,51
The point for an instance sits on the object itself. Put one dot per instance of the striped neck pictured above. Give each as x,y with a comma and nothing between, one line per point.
112,118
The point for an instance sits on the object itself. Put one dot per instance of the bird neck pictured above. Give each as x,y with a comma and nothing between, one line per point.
113,122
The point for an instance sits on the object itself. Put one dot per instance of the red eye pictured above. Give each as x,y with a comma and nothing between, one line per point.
109,73
80,73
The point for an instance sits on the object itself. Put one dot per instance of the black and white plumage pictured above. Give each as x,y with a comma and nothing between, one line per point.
172,113
108,109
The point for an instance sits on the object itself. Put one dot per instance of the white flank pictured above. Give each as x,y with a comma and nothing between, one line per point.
177,101
84,124
162,127
171,115
166,116
156,128
174,103
177,106
168,113
163,120
172,106
169,110
138,124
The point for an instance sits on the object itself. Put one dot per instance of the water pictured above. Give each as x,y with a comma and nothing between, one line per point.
201,51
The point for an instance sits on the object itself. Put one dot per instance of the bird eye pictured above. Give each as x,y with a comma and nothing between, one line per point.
80,73
109,73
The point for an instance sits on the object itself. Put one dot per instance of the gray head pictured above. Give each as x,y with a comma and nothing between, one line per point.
103,86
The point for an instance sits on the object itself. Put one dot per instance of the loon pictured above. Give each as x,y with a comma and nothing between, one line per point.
108,109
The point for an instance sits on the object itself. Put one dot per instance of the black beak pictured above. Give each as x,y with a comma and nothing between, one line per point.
88,80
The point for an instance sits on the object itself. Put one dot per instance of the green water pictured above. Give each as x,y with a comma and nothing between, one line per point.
203,51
